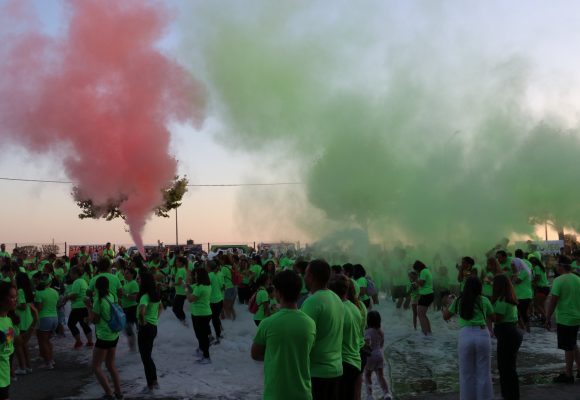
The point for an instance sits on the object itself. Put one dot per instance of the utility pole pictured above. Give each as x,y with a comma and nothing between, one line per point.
176,230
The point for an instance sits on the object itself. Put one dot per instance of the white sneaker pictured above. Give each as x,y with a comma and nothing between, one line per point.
184,323
20,371
204,361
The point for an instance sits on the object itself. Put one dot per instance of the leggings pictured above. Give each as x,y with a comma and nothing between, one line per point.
523,306
201,329
244,294
350,374
78,315
178,302
145,338
216,310
509,340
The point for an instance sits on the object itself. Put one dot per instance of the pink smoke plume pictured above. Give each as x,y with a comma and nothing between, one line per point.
104,92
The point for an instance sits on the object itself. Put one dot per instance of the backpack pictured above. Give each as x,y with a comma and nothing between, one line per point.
371,287
118,318
252,305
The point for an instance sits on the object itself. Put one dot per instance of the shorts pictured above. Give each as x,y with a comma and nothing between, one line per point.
5,392
106,344
567,336
230,294
47,324
131,314
542,291
426,299
399,292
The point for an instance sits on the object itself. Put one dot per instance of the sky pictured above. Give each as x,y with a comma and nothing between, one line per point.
544,34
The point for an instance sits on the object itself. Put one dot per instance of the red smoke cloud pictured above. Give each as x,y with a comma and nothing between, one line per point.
103,91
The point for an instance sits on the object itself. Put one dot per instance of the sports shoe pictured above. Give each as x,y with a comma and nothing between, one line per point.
78,345
19,371
204,361
563,378
119,396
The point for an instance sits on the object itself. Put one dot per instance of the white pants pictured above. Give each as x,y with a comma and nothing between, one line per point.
474,348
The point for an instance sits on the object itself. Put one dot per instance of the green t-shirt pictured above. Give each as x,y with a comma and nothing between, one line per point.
59,273
262,298
487,288
47,298
79,287
6,349
151,310
114,284
506,266
363,283
102,308
542,281
200,307
356,288
523,289
508,312
24,315
412,291
483,309
226,272
130,288
351,335
567,287
110,253
327,311
288,337
256,270
217,287
4,254
180,274
427,288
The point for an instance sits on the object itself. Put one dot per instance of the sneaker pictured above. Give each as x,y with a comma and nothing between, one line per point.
204,361
19,371
563,378
78,345
119,396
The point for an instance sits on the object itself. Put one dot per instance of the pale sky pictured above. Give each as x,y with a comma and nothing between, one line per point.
546,32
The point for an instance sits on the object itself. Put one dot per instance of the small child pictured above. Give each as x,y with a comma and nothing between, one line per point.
375,339
413,293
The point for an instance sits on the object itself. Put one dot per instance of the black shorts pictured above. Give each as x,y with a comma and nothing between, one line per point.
5,392
131,314
567,336
425,300
106,344
545,291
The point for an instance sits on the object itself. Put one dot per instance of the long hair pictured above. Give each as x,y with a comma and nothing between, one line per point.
535,262
5,288
202,277
102,286
494,264
503,289
23,282
469,296
148,286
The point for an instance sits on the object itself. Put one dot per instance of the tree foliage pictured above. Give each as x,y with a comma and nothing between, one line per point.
172,197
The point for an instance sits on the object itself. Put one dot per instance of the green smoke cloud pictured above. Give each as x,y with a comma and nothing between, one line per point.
401,127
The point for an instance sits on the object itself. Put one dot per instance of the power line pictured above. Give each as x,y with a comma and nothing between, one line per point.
190,185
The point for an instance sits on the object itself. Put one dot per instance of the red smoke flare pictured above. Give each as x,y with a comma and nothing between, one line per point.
106,93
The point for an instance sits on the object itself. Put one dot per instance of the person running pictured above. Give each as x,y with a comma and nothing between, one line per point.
28,316
8,301
198,293
541,287
426,296
129,303
375,340
474,344
565,301
148,312
180,282
522,280
106,344
509,338
45,300
327,311
216,299
351,338
78,313
284,342
262,299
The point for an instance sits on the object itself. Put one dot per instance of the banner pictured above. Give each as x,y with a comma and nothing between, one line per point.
546,247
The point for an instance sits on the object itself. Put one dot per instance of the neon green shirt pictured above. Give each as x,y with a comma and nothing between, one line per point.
24,315
363,283
200,307
524,288
567,287
427,288
114,284
288,337
102,308
508,312
351,335
47,298
6,349
217,287
130,288
356,288
412,291
262,298
487,288
180,274
483,309
327,311
79,287
543,278
151,310
226,272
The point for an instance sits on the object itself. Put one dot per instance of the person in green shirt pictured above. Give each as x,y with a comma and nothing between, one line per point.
198,296
45,300
474,345
150,308
227,271
541,286
106,344
108,252
504,261
180,282
216,299
284,342
465,271
129,303
78,313
28,315
359,276
492,270
300,269
104,269
262,299
565,301
426,295
509,337
7,335
327,311
522,281
3,252
351,338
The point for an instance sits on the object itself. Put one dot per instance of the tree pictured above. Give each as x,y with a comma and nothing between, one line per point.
171,199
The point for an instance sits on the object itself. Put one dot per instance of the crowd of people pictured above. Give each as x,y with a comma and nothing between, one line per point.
316,327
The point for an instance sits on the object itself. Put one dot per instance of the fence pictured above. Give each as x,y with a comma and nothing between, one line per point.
30,249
